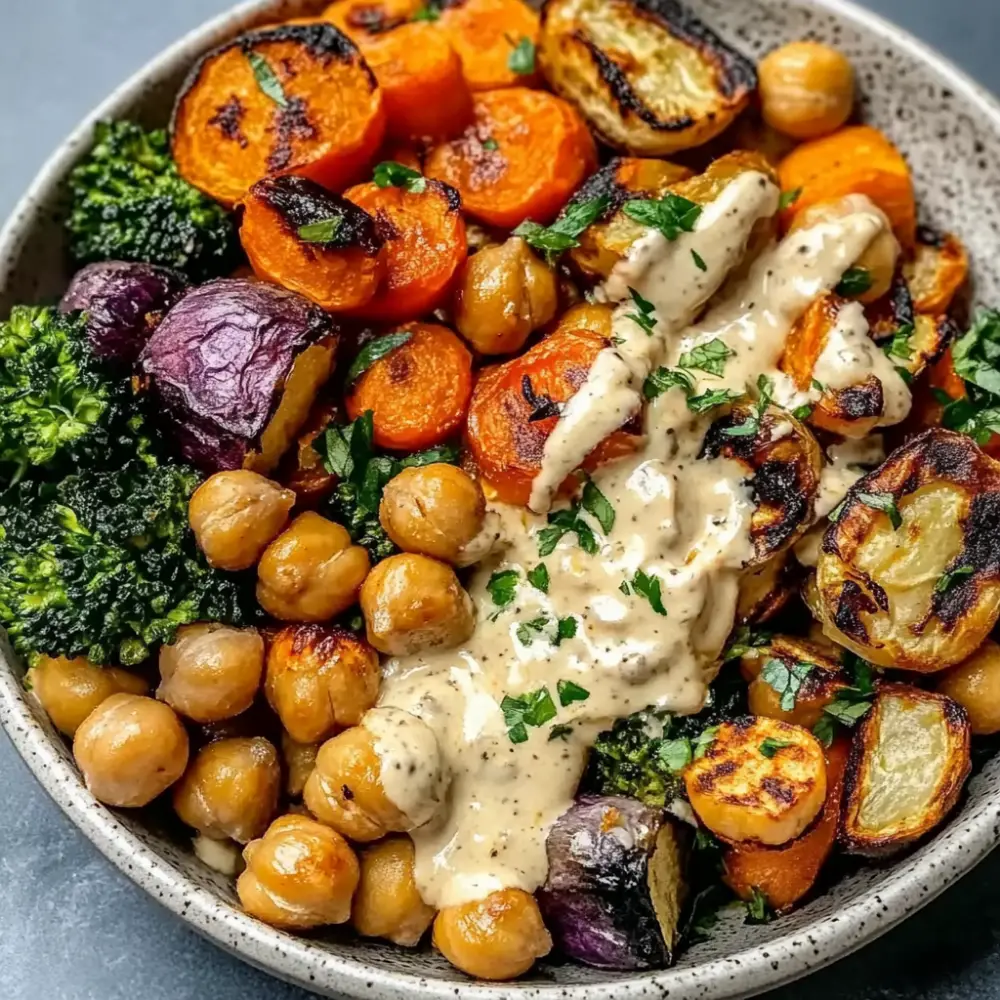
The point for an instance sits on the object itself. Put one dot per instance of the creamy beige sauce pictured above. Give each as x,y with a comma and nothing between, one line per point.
682,519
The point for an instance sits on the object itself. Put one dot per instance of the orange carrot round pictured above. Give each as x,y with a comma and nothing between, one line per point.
419,392
292,99
505,442
363,20
299,235
485,34
425,245
526,153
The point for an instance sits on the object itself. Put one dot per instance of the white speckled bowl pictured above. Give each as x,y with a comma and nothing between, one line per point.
950,130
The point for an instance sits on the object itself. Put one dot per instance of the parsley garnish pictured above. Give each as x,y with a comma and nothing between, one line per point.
786,680
671,214
851,703
568,521
657,382
646,315
704,741
429,12
595,503
389,173
562,234
712,398
855,281
708,357
559,732
886,503
789,198
373,351
803,412
699,261
647,585
770,746
675,754
532,709
745,641
490,144
759,910
569,691
750,426
323,231
502,587
899,346
949,579
818,386
528,632
539,578
267,79
522,58
625,588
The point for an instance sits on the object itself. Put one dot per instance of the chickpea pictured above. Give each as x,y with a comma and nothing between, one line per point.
502,295
300,759
231,789
434,510
69,690
498,937
300,874
130,749
211,672
806,89
311,572
234,515
387,903
320,678
411,602
975,685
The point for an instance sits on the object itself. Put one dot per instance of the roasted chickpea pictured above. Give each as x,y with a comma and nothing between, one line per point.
503,294
69,690
387,903
311,571
434,510
300,759
975,685
235,514
130,749
300,874
806,89
498,937
320,678
411,602
211,672
231,789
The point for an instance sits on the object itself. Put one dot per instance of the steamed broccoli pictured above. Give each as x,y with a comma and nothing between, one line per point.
130,203
104,564
56,404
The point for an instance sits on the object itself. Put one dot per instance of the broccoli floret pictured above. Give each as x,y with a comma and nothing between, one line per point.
56,404
104,564
130,203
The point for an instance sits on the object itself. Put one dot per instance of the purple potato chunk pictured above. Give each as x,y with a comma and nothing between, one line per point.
235,367
616,888
124,302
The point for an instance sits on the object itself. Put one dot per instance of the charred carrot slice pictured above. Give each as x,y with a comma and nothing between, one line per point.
856,160
419,392
363,20
495,39
425,245
300,235
525,154
515,407
293,99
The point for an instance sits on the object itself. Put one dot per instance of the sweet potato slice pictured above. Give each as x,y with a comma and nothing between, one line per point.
366,20
299,235
296,99
909,760
937,270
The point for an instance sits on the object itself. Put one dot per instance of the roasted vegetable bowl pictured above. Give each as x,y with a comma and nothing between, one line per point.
566,547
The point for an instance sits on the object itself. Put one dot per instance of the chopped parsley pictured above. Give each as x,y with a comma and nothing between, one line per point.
709,357
267,79
704,741
745,641
750,426
851,703
323,231
595,503
899,345
884,502
789,198
569,691
675,754
560,731
659,381
818,386
429,12
803,412
645,316
699,261
522,58
389,173
539,578
491,145
647,585
373,351
541,627
532,709
770,746
855,281
569,521
564,232
502,587
712,398
976,359
949,579
671,214
759,910
786,680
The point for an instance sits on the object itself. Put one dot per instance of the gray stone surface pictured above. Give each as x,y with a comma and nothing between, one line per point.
71,926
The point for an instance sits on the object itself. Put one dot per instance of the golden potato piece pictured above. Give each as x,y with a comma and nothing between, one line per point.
765,590
924,595
647,75
908,763
784,464
742,792
975,685
937,270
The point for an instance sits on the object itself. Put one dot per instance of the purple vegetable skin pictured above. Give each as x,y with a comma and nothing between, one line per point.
219,363
124,302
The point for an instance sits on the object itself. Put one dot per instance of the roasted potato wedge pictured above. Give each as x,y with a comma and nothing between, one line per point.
909,760
647,75
937,270
765,590
975,685
743,793
783,462
924,595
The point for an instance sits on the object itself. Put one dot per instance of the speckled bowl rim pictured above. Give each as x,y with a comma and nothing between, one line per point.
918,879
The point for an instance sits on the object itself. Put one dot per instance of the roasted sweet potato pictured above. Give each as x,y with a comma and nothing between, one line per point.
522,158
293,99
937,270
909,760
299,235
647,74
909,573
365,20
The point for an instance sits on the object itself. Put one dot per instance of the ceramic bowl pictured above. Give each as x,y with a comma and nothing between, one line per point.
950,130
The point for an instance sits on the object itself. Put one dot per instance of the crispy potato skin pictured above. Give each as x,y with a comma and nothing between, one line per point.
906,727
618,61
879,589
742,795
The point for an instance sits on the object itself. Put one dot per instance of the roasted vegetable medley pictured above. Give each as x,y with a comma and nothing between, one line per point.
528,478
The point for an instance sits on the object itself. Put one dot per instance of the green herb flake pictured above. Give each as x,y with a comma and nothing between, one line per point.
564,232
532,709
502,587
671,214
645,318
389,173
560,731
563,522
675,755
789,198
759,910
429,12
522,58
647,585
713,398
699,261
528,632
569,691
373,351
818,386
491,145
899,346
751,426
323,231
565,629
769,747
662,379
949,579
884,502
803,412
786,680
267,79
744,641
595,503
855,281
539,578
704,741
709,357
624,588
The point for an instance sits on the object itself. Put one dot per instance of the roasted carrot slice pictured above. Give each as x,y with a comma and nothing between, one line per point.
785,874
526,153
300,235
855,160
508,426
425,245
495,39
364,20
293,99
419,392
